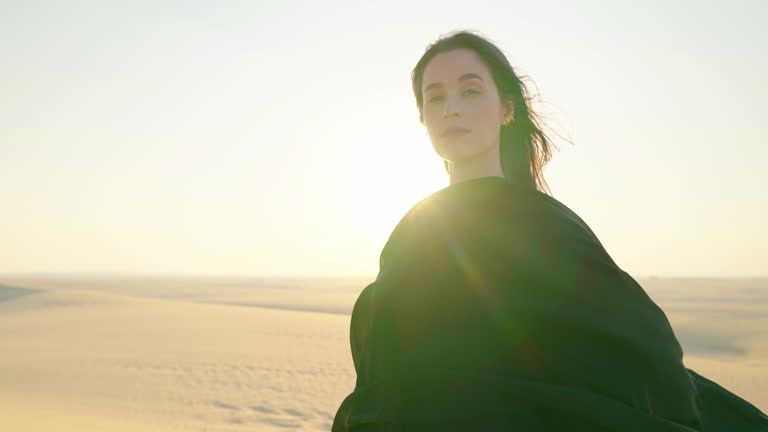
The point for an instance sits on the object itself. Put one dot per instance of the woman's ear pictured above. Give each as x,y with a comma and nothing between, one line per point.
509,114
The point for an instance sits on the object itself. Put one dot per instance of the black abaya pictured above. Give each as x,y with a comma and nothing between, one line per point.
497,308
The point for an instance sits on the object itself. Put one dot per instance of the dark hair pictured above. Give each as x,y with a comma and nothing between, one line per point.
524,148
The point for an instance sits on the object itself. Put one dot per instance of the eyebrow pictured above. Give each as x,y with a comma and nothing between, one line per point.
464,77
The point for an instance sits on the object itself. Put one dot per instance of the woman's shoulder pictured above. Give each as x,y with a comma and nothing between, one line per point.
565,226
556,207
522,208
499,196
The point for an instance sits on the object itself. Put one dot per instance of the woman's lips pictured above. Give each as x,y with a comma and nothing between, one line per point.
455,131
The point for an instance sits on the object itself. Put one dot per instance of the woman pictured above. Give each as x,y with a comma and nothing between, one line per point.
496,307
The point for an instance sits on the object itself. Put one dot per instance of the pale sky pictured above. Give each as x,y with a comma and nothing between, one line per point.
282,138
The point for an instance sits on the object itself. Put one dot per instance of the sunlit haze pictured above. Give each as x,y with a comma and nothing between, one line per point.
268,138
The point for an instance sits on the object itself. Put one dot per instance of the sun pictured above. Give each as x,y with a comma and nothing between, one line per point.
385,177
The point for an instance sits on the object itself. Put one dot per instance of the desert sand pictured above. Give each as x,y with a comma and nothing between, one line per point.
173,354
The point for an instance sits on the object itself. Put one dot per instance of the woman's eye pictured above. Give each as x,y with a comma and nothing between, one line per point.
469,92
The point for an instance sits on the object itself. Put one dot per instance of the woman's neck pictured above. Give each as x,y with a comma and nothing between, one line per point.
486,164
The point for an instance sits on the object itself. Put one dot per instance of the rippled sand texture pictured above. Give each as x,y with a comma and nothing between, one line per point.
261,355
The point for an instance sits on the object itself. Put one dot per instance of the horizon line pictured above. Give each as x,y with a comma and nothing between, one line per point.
179,275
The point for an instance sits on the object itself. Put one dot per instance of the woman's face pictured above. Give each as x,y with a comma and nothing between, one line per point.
462,110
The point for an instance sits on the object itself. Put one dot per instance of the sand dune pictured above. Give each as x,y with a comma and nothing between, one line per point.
138,355
10,292
77,355
331,295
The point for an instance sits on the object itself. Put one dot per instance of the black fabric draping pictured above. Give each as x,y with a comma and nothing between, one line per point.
496,308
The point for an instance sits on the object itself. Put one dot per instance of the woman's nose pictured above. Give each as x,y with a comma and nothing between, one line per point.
450,108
